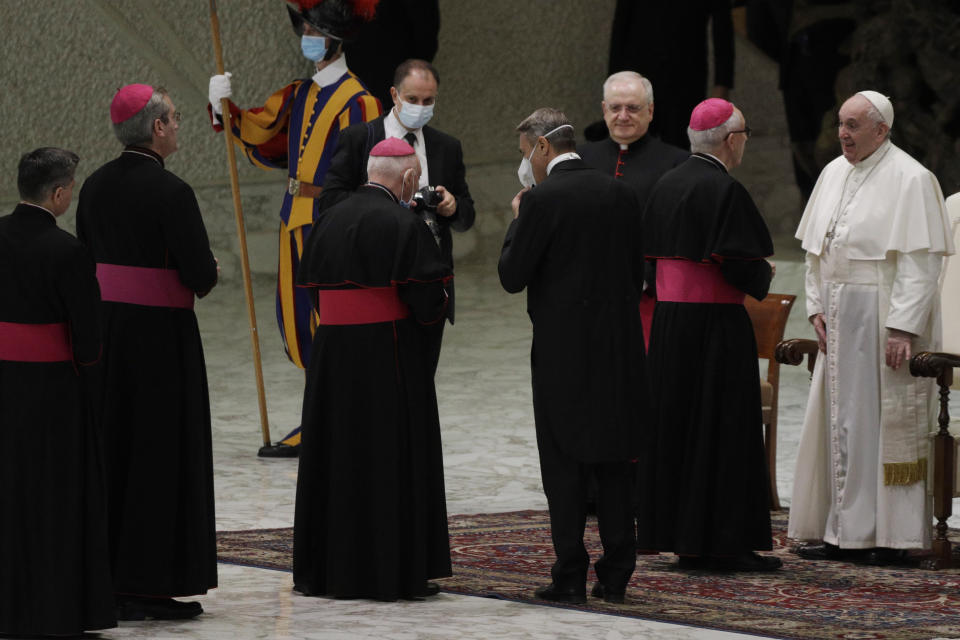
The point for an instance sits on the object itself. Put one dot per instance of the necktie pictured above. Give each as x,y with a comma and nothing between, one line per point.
411,139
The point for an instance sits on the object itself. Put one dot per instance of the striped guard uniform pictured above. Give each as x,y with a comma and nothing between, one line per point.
298,129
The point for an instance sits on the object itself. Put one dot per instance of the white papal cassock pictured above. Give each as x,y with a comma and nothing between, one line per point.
875,234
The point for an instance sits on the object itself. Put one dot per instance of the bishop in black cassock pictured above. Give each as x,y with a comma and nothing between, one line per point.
371,519
145,231
54,563
702,482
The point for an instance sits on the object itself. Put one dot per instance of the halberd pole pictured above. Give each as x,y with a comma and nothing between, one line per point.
241,232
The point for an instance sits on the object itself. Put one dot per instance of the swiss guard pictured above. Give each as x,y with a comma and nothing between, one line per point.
297,130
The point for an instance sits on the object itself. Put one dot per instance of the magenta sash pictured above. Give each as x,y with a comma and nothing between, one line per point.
143,285
360,306
686,281
35,342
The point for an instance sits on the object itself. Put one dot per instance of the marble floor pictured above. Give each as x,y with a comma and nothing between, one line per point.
490,460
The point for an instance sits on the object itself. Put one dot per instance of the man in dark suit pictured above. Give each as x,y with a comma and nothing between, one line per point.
575,244
414,94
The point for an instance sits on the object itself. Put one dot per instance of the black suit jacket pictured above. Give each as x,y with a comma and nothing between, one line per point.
576,247
348,170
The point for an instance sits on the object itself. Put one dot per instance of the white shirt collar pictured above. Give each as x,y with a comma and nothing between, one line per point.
570,155
331,73
393,129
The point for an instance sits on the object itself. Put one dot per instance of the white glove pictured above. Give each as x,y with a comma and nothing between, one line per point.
219,89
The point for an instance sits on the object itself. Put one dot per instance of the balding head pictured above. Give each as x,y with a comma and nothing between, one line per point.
399,174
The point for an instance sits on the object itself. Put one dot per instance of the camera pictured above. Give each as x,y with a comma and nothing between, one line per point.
426,199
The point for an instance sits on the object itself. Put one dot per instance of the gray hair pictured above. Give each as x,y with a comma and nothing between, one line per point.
706,141
43,170
547,120
876,117
629,76
388,168
138,128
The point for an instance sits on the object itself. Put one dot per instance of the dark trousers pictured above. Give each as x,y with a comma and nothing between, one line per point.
565,484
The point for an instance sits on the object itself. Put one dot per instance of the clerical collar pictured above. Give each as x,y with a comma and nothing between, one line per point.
633,145
143,151
563,157
712,159
384,189
331,73
30,204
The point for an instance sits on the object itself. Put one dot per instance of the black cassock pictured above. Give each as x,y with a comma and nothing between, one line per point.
703,480
640,165
155,404
54,562
371,517
576,248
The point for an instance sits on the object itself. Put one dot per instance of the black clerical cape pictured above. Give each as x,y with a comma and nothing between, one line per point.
702,485
134,212
54,562
371,511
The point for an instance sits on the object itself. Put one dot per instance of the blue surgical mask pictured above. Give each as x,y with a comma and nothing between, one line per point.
313,47
414,116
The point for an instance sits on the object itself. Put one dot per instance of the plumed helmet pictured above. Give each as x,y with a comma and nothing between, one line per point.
338,19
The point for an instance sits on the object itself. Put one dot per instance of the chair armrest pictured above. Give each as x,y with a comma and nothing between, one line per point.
792,352
929,364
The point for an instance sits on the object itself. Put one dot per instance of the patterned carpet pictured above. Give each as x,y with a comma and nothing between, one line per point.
507,555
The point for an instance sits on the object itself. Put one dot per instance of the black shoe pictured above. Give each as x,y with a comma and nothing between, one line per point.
141,608
821,551
609,595
883,556
692,562
278,450
553,593
432,589
748,561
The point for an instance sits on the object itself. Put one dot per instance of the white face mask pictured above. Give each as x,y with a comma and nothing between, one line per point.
525,172
414,116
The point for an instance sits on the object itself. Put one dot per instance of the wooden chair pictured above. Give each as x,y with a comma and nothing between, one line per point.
769,319
944,454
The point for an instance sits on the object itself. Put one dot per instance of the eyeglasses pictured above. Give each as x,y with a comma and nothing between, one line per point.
746,131
632,109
